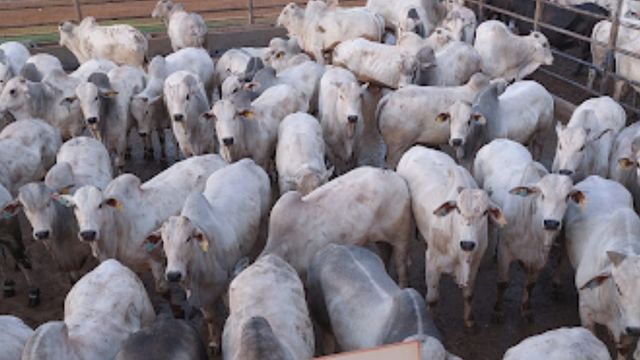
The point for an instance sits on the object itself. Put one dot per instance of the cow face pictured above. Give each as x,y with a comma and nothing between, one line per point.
621,278
470,211
66,30
162,9
542,51
573,146
349,107
91,99
462,120
181,97
143,110
630,163
290,15
39,208
181,239
14,95
552,193
229,120
88,206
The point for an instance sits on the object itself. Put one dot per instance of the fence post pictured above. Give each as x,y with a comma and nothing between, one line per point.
76,4
251,20
537,15
480,11
608,66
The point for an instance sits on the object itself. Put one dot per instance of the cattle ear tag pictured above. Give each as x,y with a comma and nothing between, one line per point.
111,94
247,114
443,117
66,190
596,281
203,242
152,241
626,163
521,191
114,204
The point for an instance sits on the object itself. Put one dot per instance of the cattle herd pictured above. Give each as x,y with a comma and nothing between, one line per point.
306,170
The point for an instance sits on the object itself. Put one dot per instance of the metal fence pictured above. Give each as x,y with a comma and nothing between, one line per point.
576,87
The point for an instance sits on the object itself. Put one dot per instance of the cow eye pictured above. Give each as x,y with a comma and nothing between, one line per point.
100,206
12,92
582,148
187,97
96,99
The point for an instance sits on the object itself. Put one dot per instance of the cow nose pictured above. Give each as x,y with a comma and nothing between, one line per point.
565,172
41,235
551,224
352,119
228,141
142,134
92,120
88,235
467,245
456,142
178,117
174,276
633,331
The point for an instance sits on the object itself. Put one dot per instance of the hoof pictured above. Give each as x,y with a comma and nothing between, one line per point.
34,297
9,289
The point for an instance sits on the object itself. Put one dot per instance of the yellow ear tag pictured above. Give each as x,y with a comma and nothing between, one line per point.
204,245
119,206
66,190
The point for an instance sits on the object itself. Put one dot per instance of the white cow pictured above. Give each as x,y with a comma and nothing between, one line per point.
276,329
341,116
533,203
284,53
351,293
398,15
461,21
356,218
455,63
603,247
80,161
148,108
510,56
424,114
560,344
185,29
27,150
439,38
300,154
14,334
213,232
105,101
456,240
251,130
319,27
382,64
13,56
186,101
585,143
625,156
500,108
122,44
242,62
117,221
99,316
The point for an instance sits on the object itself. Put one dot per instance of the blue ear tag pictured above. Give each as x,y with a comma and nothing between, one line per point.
521,192
149,246
6,215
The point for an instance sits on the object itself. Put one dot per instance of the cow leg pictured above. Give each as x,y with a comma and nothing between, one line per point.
157,270
400,259
527,313
163,148
433,284
214,335
591,77
467,293
503,282
148,146
619,90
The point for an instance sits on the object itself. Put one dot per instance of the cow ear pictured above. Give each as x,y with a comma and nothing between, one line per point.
114,203
578,197
66,190
64,200
616,257
445,208
443,117
11,209
600,135
596,281
68,100
247,114
524,191
626,163
495,213
479,119
152,241
203,242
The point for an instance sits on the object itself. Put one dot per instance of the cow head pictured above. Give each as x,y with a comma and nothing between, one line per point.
551,195
40,209
88,205
92,96
308,179
15,95
162,10
183,92
461,120
291,18
621,277
469,212
60,178
349,107
66,30
574,146
181,239
144,110
541,50
632,161
229,119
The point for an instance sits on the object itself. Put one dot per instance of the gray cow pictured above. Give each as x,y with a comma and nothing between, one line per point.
350,291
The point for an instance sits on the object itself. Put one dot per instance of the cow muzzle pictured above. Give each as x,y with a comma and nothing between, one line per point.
551,225
92,120
41,235
228,141
632,330
457,142
352,122
178,117
174,276
88,235
566,172
467,246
